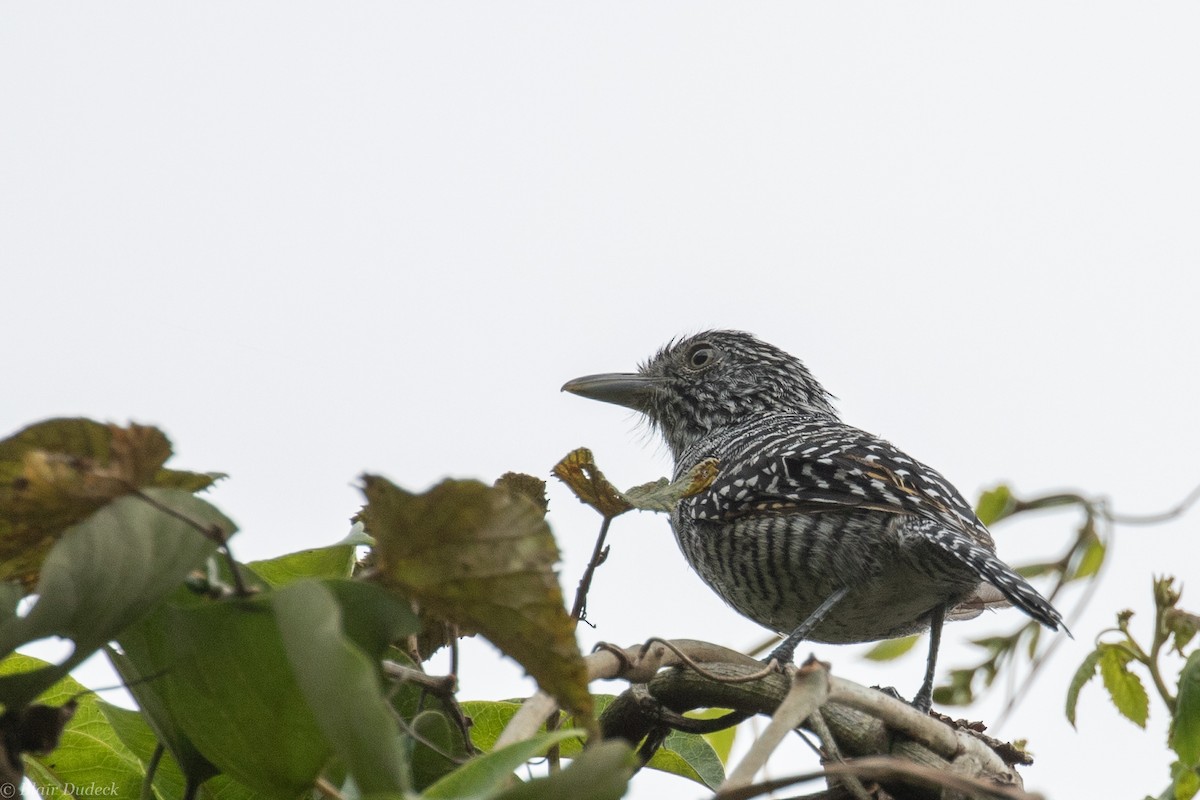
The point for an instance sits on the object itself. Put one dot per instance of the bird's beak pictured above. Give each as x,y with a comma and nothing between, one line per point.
624,389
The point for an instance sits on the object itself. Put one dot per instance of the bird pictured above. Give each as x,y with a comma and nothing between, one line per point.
812,528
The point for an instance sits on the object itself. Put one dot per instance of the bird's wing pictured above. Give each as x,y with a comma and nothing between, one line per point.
826,467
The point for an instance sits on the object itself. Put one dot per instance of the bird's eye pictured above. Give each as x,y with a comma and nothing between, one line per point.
701,356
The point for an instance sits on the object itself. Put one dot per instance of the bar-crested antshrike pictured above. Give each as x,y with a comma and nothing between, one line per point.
813,528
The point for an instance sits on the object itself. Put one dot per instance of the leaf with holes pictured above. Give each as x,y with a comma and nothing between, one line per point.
579,472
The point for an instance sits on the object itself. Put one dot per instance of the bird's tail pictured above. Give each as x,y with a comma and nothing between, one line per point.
984,563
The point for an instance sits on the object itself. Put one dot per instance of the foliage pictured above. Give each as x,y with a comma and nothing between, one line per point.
283,676
303,674
1118,650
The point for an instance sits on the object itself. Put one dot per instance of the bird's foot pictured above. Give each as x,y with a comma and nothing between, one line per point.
921,702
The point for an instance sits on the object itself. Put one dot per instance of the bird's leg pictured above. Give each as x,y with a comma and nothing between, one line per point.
924,698
787,648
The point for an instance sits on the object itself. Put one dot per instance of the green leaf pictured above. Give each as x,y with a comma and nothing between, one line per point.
89,755
131,728
720,741
487,775
1185,782
490,717
1185,727
482,558
1124,687
599,773
335,561
1091,560
150,698
225,685
437,748
106,573
341,686
688,755
995,504
891,648
1086,671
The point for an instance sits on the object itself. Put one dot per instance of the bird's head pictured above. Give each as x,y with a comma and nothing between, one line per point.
698,384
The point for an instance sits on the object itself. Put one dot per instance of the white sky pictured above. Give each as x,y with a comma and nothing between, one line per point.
314,239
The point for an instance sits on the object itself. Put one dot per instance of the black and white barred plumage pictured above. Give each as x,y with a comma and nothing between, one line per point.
812,527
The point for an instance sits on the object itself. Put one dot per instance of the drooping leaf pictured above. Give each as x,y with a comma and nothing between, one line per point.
692,756
225,685
151,699
890,649
106,573
1086,671
341,686
482,558
995,504
489,774
169,781
599,773
1185,727
1124,687
579,472
55,474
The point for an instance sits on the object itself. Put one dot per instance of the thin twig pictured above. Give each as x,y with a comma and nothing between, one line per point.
1151,519
327,789
685,659
151,769
213,533
440,685
852,783
579,609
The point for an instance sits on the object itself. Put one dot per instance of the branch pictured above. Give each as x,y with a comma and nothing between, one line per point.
810,688
681,675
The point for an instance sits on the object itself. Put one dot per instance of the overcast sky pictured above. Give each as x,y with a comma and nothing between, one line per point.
312,240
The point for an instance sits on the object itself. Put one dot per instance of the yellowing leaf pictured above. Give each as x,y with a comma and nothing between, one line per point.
581,475
481,558
579,472
57,473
